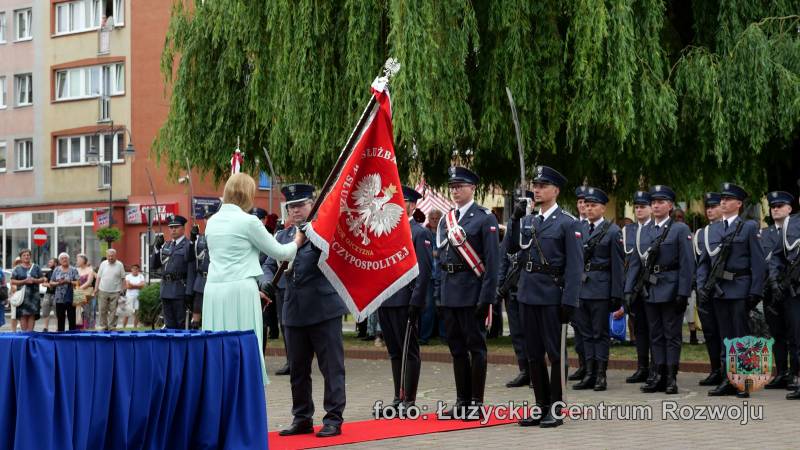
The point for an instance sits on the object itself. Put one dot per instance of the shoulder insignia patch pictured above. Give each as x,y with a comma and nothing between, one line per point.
569,215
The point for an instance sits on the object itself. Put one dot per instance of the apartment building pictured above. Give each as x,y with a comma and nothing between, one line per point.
81,101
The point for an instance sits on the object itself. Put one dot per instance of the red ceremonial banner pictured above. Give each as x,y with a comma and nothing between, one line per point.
362,227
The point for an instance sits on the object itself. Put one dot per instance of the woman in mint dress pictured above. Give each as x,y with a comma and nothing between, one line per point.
235,238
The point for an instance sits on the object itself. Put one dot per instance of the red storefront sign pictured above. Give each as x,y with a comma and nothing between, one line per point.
137,214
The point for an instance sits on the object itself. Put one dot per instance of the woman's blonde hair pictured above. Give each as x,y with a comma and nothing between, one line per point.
240,190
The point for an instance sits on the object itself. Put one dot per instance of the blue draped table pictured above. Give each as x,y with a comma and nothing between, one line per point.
131,390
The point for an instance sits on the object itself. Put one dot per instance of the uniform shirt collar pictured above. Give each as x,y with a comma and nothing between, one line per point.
599,221
731,219
663,222
647,222
179,240
546,214
463,210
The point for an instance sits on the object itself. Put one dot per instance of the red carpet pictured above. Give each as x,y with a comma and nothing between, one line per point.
374,430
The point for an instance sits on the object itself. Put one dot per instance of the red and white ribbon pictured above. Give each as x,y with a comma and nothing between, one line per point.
458,239
236,162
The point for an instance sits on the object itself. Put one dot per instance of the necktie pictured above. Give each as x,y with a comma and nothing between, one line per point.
726,225
539,218
658,227
458,214
591,228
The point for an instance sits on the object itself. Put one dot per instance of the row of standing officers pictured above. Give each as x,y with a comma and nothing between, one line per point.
550,269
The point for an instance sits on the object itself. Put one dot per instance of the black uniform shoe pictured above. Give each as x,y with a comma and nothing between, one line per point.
580,373
793,395
549,420
794,384
600,380
779,381
657,383
329,431
714,378
283,370
693,337
672,380
474,411
725,388
640,376
298,428
522,379
534,421
458,411
590,376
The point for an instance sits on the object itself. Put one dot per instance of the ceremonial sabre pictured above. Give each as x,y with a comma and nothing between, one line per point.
390,68
404,364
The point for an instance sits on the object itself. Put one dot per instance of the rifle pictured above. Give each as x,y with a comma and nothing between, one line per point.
591,244
789,277
718,271
644,277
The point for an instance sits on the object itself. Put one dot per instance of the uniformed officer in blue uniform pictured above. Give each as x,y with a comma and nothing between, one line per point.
312,319
668,286
508,261
406,305
548,288
580,195
299,200
202,260
175,259
465,297
708,320
601,289
645,365
742,286
269,313
775,311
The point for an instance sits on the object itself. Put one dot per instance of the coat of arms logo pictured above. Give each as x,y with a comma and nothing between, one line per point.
373,213
749,362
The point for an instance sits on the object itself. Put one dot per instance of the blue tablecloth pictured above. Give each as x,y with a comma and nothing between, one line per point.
148,390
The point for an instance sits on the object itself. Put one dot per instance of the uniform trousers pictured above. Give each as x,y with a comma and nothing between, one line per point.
542,329
732,320
324,340
666,329
779,321
515,328
708,320
593,318
174,310
641,329
793,311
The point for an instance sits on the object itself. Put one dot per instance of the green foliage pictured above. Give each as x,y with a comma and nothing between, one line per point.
621,93
149,304
109,234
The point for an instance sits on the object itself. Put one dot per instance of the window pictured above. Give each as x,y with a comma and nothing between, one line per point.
24,154
22,24
2,157
74,150
3,92
116,10
24,86
85,82
2,28
77,16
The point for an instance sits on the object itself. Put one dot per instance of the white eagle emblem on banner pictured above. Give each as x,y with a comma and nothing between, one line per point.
374,212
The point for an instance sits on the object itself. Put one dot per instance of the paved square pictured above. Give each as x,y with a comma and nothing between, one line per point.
368,381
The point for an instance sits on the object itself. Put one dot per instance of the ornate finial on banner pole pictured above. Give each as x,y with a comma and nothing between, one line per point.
391,67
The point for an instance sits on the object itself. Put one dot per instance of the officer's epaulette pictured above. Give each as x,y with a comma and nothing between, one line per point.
569,215
486,210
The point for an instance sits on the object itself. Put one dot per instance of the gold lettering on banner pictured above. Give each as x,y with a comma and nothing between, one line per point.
379,152
384,263
352,245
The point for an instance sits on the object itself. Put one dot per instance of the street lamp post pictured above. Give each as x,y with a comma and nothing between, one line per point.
94,157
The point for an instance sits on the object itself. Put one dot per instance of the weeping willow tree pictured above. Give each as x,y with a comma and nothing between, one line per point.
619,93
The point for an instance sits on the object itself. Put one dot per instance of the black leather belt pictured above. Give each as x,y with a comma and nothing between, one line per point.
538,268
174,276
730,275
204,274
658,268
589,267
453,268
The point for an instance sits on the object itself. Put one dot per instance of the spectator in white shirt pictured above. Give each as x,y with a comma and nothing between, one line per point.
110,278
134,282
